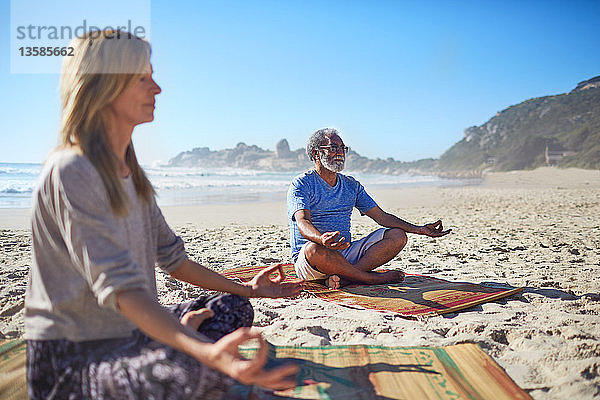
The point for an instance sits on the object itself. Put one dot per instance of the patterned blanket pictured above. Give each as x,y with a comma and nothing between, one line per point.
416,296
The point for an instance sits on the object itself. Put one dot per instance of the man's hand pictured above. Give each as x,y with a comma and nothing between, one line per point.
435,229
263,286
308,230
225,357
328,239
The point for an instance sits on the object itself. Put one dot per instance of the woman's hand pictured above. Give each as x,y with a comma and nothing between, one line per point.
194,319
263,286
141,308
224,356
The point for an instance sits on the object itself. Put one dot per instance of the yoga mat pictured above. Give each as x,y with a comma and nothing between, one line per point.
12,370
462,371
416,296
456,372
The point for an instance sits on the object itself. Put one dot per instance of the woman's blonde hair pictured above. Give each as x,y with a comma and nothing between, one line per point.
104,64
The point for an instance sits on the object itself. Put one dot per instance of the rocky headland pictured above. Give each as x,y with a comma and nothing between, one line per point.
561,130
284,159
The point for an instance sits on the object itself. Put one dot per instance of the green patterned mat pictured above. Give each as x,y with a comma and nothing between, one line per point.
461,371
12,370
456,372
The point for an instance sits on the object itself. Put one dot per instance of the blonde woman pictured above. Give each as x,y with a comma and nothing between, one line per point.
94,327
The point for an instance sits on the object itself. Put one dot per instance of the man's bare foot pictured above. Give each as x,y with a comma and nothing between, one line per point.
194,319
333,282
393,276
337,282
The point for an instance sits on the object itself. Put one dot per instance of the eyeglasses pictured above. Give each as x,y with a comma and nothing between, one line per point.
335,149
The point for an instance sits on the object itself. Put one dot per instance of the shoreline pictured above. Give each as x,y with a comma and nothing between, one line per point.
245,213
265,210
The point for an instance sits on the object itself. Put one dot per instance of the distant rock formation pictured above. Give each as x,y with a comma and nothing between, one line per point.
242,156
590,83
284,159
283,149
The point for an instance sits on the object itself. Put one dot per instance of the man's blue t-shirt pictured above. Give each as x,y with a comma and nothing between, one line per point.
330,207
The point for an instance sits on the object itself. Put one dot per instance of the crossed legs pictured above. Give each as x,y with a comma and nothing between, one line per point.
342,272
137,366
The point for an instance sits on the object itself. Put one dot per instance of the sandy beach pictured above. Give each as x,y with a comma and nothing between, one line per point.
538,230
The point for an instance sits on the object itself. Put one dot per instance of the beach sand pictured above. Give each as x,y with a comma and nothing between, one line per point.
539,230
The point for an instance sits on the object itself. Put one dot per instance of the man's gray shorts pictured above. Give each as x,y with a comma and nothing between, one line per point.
352,254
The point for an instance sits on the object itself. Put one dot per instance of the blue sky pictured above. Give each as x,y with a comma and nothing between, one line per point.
399,79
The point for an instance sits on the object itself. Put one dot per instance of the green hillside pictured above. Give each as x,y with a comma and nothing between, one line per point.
516,138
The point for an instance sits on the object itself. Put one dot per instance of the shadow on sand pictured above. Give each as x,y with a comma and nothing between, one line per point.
426,291
316,380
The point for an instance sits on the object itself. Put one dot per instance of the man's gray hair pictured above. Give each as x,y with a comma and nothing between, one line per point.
318,139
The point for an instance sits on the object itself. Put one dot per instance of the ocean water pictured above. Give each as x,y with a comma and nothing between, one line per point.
193,186
17,182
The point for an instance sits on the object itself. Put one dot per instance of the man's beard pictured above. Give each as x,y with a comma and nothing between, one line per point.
330,164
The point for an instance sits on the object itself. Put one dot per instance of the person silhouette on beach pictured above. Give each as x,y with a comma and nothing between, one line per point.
319,206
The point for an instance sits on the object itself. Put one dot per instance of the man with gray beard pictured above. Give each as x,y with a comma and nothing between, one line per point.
319,205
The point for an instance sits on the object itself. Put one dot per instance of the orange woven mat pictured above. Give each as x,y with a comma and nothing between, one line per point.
416,296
